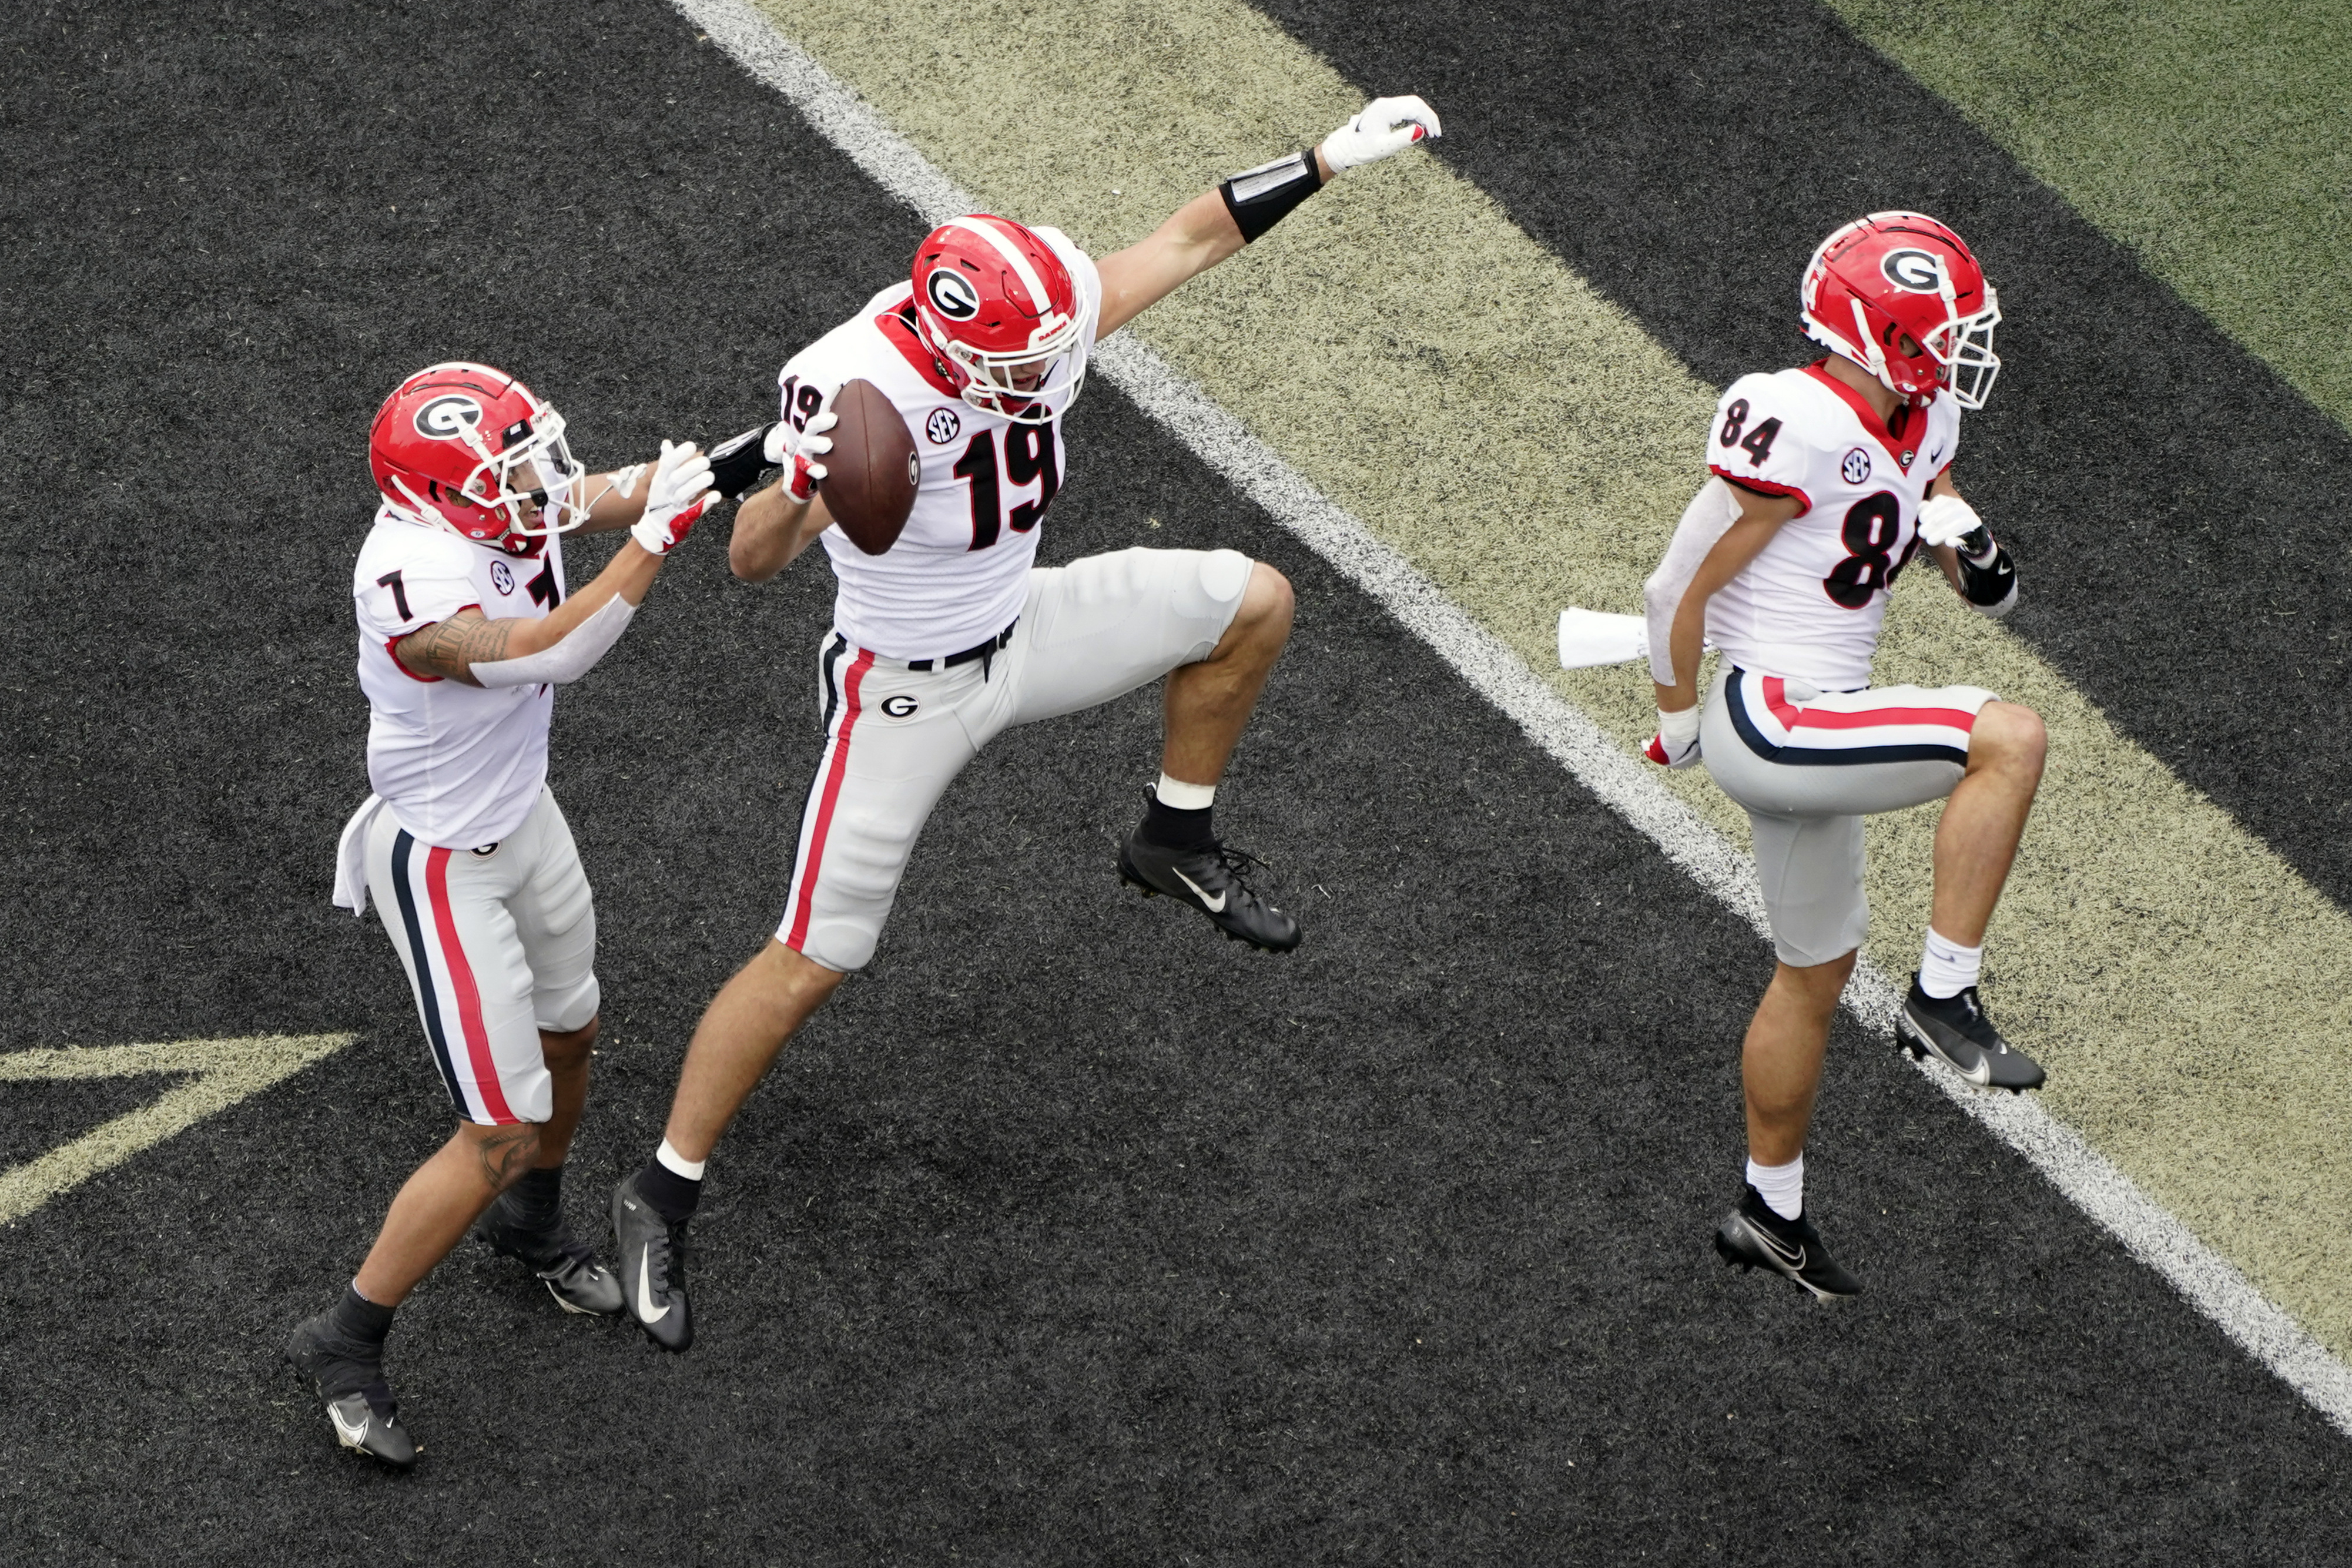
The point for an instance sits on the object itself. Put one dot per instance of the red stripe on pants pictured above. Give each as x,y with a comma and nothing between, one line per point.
469,995
805,905
1948,718
1792,718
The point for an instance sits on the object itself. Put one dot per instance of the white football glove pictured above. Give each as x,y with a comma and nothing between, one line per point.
675,500
801,453
1675,745
1386,126
1946,519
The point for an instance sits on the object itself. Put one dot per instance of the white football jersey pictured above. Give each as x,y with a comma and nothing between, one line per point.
459,765
1809,608
960,572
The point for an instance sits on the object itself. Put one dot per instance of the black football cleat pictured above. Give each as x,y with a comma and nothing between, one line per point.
349,1379
1210,879
563,1262
1753,1237
1956,1030
652,1269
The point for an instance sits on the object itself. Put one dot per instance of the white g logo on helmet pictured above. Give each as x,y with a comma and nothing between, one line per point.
1919,271
953,295
449,417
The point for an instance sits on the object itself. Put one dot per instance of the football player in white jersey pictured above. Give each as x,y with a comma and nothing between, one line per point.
953,635
1827,480
466,630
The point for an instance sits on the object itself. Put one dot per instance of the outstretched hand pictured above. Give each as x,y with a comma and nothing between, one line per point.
680,493
1384,127
801,453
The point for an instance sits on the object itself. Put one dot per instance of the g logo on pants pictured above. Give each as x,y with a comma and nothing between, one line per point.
899,706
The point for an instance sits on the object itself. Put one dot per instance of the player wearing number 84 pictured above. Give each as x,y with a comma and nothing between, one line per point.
1826,481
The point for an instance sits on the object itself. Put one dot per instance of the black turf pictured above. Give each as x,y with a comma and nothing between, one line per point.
1069,1234
2175,508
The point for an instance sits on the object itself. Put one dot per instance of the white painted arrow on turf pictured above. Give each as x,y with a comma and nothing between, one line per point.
226,1071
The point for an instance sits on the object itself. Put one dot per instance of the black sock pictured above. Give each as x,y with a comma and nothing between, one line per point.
671,1195
1171,828
538,1197
361,1321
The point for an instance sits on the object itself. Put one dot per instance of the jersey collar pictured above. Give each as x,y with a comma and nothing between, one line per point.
1902,451
897,325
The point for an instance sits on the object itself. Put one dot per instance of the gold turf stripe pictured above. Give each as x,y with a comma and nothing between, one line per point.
1526,445
2214,137
225,1072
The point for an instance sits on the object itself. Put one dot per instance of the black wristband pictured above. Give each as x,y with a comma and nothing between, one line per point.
1988,585
737,463
1260,197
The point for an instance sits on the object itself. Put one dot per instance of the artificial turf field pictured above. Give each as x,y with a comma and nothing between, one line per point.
1069,1234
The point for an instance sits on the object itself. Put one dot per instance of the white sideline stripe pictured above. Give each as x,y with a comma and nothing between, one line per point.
2147,1230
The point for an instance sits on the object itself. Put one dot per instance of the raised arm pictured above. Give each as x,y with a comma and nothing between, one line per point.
1217,223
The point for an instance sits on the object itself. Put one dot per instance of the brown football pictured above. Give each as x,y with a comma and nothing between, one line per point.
871,472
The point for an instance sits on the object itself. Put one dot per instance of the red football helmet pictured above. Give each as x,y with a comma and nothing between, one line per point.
463,447
1894,273
1002,311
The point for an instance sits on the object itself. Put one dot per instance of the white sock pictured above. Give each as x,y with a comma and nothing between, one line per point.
1946,968
1783,1187
673,1161
1178,795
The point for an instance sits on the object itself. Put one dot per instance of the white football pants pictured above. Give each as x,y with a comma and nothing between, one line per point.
499,943
1808,765
896,737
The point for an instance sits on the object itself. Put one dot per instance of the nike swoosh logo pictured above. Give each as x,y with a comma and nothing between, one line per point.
1980,1075
1216,905
350,1435
1795,1260
646,1313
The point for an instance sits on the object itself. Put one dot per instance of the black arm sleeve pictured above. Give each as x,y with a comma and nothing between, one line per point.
737,463
1987,576
1260,197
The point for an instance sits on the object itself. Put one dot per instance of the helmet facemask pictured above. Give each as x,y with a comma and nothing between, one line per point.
1005,316
1950,349
1964,348
1053,367
533,472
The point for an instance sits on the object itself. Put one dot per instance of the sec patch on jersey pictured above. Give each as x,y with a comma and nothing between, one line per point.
872,470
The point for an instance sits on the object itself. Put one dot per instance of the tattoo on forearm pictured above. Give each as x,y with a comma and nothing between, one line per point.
451,648
507,1152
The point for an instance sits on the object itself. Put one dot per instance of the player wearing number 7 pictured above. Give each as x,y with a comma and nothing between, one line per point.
465,633
951,635
1827,480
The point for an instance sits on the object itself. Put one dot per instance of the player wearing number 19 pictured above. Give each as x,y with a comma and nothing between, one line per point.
948,634
1826,481
465,633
